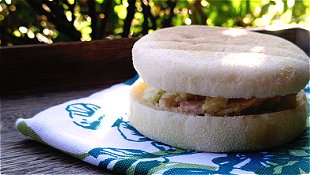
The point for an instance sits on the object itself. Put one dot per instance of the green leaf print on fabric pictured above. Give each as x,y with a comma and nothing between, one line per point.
78,156
133,161
293,159
27,131
182,168
242,161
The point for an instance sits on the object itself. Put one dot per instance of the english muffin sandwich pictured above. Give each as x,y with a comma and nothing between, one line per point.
218,90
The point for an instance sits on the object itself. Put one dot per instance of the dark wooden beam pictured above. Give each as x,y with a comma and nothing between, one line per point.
37,68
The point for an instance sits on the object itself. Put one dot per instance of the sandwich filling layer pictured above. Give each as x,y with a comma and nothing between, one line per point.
216,106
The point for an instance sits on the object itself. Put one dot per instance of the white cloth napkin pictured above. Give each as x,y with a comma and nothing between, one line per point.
95,129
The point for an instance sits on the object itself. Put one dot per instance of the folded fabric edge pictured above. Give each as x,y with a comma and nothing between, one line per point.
22,127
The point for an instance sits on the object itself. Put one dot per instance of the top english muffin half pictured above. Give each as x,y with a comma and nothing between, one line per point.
231,63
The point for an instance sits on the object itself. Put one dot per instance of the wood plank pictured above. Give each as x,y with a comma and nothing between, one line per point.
20,155
46,68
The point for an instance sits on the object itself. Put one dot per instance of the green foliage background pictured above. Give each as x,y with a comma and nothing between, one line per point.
49,21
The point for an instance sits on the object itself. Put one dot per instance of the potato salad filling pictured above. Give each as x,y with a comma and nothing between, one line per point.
216,106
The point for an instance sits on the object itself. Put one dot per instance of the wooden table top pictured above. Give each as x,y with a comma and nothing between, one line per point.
20,155
36,77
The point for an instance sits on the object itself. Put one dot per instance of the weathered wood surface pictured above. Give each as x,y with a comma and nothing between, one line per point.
20,155
69,70
64,66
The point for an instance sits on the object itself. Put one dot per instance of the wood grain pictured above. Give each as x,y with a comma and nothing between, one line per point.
64,66
19,155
